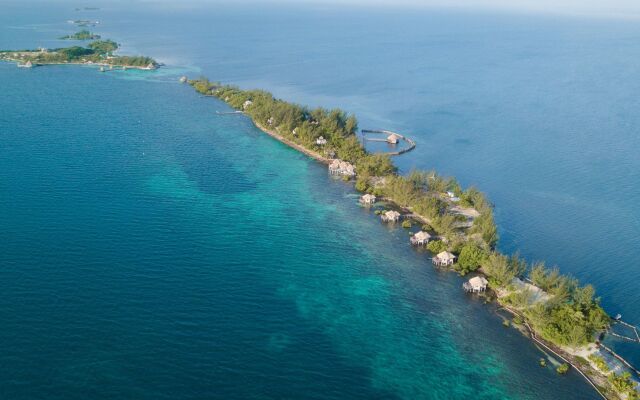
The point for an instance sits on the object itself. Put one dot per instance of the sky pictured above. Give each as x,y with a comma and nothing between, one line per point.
596,8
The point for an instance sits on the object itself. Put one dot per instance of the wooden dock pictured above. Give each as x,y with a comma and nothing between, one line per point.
412,144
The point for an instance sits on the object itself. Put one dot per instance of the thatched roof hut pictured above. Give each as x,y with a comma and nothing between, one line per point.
420,239
476,284
443,259
368,199
390,216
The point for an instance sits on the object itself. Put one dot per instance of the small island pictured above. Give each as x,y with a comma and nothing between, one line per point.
81,35
99,52
83,22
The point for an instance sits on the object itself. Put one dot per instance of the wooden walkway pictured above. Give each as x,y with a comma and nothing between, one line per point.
412,144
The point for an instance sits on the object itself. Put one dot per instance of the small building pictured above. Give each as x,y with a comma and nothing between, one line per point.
321,141
390,216
476,284
246,104
393,138
294,132
368,199
452,196
420,239
270,121
183,79
339,167
443,259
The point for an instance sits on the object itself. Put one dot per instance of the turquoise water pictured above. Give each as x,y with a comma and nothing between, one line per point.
152,249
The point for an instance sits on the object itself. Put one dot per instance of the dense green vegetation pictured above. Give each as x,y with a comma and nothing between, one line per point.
599,362
81,35
563,368
571,316
99,51
624,384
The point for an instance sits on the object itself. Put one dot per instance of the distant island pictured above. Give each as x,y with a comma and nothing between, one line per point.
83,22
87,8
81,35
99,52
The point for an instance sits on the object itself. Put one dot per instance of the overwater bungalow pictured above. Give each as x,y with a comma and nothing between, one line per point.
393,138
246,104
339,167
420,239
368,199
390,216
476,284
443,259
321,141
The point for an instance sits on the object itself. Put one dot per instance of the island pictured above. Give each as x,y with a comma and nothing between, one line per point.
99,52
83,22
81,35
457,226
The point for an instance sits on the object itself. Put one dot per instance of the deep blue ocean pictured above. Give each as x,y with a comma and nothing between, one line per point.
151,249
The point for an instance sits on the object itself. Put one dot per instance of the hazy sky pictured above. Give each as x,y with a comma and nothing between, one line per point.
602,8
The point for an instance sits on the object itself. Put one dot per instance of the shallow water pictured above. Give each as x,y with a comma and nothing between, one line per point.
152,249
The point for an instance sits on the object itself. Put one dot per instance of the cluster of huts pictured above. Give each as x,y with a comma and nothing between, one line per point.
443,259
344,168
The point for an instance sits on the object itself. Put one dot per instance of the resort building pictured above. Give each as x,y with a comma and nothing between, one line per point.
420,239
339,167
368,199
475,285
390,216
246,104
443,259
392,139
321,141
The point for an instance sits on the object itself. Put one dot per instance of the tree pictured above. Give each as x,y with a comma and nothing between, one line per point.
471,258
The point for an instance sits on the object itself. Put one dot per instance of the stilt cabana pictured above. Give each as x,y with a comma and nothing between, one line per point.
368,199
476,284
443,259
420,239
390,216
